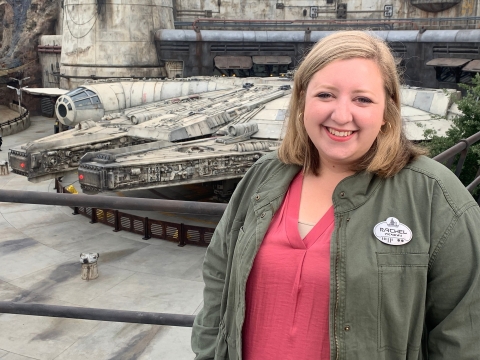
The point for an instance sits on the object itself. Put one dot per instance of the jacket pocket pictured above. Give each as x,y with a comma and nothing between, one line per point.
402,281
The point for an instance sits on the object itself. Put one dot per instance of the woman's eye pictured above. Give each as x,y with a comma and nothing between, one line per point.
324,95
364,100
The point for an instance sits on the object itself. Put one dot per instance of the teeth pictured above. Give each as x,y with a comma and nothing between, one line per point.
340,133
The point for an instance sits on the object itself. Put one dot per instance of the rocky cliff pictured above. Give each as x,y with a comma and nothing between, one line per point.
22,22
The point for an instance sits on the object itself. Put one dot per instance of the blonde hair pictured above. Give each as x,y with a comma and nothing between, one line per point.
391,150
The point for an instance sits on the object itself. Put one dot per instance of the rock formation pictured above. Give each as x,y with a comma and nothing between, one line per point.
22,22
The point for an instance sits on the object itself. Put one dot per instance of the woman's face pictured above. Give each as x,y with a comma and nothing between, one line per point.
344,107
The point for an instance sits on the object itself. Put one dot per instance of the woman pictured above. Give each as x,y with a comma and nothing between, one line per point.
347,243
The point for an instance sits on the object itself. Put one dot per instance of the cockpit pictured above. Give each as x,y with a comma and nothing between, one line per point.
78,105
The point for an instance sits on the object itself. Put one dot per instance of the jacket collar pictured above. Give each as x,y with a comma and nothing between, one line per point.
275,186
354,191
350,193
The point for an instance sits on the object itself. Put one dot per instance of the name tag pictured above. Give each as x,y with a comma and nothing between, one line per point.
392,232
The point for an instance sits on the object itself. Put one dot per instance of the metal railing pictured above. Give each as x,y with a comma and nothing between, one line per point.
459,152
18,118
96,205
73,312
469,22
112,202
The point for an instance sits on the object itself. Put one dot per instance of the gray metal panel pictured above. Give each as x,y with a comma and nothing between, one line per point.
249,36
285,36
170,35
447,62
51,92
219,35
438,36
423,100
233,62
211,35
281,115
473,66
261,36
285,60
468,36
402,36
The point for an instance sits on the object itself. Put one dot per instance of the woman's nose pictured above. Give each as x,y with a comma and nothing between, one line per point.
342,113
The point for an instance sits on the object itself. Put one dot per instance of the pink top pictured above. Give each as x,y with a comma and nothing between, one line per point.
287,295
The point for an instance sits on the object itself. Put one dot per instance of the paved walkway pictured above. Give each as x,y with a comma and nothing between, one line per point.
39,253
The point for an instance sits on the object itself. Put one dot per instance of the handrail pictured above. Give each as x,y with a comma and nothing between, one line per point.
448,156
455,149
112,202
85,313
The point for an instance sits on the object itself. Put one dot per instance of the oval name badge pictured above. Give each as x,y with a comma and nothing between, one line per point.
392,232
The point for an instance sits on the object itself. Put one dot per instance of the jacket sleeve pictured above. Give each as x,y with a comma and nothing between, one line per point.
216,269
453,292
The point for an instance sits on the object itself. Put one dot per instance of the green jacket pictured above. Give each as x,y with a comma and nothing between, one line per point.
386,302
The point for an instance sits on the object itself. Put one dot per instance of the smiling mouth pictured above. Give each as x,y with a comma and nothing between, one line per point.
339,133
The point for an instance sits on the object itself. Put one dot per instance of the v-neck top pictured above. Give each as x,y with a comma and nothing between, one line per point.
287,294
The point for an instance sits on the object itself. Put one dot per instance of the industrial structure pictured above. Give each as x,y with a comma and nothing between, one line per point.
436,42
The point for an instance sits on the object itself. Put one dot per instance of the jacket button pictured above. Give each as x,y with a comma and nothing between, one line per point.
342,194
347,328
263,215
257,197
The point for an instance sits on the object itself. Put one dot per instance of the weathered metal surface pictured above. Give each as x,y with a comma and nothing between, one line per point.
473,66
176,118
414,47
233,62
285,60
99,41
447,62
97,99
193,162
434,5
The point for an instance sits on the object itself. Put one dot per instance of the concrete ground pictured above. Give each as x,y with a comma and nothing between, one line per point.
39,253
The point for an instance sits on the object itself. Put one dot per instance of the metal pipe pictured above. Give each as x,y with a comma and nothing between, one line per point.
295,26
234,22
112,202
370,22
474,184
72,312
